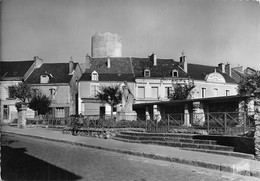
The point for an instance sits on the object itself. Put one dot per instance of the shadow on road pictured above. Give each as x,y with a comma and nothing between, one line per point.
17,165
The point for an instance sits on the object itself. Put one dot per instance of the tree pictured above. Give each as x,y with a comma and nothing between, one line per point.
111,95
249,84
22,91
246,88
40,103
27,96
181,91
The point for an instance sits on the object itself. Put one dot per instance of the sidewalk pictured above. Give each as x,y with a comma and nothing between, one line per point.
212,161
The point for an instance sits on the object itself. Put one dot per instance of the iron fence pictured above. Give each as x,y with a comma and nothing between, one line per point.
219,123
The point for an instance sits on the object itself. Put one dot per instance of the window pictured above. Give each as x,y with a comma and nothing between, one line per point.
141,92
147,73
155,92
59,112
94,76
6,112
44,79
215,92
227,93
175,73
93,90
168,91
203,92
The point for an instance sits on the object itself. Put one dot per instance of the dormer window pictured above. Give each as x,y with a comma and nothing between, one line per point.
45,79
147,73
175,73
94,76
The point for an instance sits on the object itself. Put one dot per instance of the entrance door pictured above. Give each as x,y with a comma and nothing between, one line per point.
6,112
102,112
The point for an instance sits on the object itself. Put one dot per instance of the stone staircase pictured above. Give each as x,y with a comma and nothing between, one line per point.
189,142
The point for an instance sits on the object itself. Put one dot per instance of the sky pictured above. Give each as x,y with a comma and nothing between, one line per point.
208,31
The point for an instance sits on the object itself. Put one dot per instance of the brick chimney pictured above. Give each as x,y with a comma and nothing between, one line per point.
71,65
87,61
183,63
38,61
221,67
228,69
153,58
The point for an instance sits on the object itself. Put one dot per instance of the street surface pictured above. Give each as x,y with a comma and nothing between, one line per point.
35,159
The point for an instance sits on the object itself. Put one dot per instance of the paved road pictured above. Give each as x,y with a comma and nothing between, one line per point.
34,159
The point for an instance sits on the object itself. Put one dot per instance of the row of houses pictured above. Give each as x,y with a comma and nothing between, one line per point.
72,86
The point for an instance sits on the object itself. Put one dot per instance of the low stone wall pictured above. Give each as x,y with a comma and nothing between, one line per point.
241,144
100,133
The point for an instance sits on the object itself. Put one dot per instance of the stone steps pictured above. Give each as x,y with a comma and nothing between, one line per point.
192,142
179,144
175,139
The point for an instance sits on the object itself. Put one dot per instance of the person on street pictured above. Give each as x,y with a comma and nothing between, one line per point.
77,124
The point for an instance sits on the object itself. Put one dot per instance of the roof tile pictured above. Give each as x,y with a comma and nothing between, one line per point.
59,71
14,69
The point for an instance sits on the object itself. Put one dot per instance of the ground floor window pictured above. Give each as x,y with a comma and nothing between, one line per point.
6,112
59,112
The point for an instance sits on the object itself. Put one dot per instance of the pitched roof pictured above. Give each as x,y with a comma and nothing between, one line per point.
237,75
59,72
163,68
129,68
14,70
199,72
120,69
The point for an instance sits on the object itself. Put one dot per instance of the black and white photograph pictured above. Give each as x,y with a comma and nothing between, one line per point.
130,90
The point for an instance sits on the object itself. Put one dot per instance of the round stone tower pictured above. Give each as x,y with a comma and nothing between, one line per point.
106,44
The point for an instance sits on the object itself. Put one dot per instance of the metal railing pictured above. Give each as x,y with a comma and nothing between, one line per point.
220,123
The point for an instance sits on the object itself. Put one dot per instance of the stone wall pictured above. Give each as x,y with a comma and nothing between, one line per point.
257,126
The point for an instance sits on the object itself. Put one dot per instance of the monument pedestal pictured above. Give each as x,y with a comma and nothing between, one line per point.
22,118
129,116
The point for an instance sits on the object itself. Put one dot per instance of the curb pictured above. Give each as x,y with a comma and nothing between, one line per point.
221,167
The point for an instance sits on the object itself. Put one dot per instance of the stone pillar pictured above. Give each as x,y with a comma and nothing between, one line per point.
22,117
186,116
198,114
257,136
257,123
